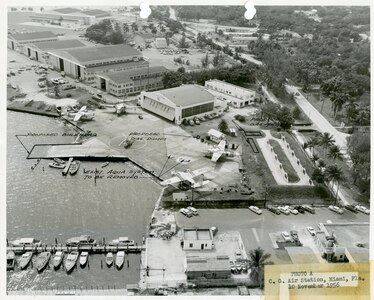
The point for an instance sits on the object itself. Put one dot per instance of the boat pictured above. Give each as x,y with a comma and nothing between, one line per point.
57,165
25,260
109,259
10,261
81,240
122,241
74,167
60,161
83,258
71,260
120,259
25,242
42,260
105,164
57,259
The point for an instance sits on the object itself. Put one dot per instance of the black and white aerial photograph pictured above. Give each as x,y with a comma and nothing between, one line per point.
196,151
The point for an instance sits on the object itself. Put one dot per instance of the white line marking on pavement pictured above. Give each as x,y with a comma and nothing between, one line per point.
255,234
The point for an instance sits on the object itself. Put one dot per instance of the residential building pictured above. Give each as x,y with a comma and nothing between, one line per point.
18,40
197,239
217,267
160,43
179,103
131,81
143,40
86,62
215,135
238,96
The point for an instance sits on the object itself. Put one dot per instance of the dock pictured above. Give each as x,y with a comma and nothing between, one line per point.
67,167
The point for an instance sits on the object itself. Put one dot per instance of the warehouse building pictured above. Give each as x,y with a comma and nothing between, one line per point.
39,50
161,43
217,267
18,40
131,82
86,62
179,103
238,96
197,239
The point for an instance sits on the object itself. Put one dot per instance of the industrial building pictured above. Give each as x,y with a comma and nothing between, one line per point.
217,267
18,40
131,81
238,96
86,62
39,50
197,239
179,103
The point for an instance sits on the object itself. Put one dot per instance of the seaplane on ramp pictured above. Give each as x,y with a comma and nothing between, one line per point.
188,178
217,151
81,115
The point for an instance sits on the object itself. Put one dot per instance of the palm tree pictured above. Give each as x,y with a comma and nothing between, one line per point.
326,140
313,141
335,175
363,117
314,158
321,164
257,258
338,100
335,153
351,111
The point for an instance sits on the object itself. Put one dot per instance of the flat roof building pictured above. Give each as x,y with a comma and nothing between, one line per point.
132,81
197,239
86,62
200,267
160,43
15,41
179,103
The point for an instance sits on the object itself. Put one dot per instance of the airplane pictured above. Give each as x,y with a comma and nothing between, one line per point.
124,108
217,151
81,115
187,177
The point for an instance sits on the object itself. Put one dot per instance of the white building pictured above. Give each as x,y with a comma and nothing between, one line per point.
179,103
197,239
238,96
216,136
160,43
18,40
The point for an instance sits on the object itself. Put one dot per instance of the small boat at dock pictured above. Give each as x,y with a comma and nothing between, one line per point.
57,259
25,260
109,259
120,259
71,261
83,258
60,161
81,240
25,242
42,260
122,241
10,261
105,164
74,167
57,165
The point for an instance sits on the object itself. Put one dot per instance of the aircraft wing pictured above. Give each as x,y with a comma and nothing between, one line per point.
199,171
77,117
216,156
221,145
83,108
171,180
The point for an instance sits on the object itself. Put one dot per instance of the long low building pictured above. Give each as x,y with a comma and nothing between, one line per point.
208,267
131,82
179,103
16,41
86,62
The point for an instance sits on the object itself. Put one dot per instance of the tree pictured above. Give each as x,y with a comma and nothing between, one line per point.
257,259
182,42
315,158
351,111
57,90
205,61
312,142
216,59
296,112
334,175
222,126
321,164
285,118
318,176
154,30
134,27
326,140
363,117
335,153
337,100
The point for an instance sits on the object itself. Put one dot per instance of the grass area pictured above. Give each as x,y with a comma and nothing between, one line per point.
283,159
297,194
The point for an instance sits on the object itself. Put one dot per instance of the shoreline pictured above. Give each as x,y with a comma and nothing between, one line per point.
33,111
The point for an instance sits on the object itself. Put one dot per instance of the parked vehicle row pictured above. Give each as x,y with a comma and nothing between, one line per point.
189,211
197,120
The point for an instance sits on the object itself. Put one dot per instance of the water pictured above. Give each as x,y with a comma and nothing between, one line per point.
48,206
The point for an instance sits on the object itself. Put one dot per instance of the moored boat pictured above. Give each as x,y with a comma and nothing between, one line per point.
120,259
83,258
109,259
10,261
25,242
42,260
74,167
57,165
57,259
25,260
122,241
60,161
71,260
81,240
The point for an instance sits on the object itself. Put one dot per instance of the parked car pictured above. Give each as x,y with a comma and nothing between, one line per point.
310,209
286,236
300,209
41,84
336,209
193,210
197,121
255,209
351,208
207,116
363,209
311,230
191,122
292,210
284,210
294,235
275,210
214,230
185,212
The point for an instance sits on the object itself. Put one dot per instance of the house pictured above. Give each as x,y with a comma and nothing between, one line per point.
179,103
197,239
215,135
200,267
18,40
160,43
143,40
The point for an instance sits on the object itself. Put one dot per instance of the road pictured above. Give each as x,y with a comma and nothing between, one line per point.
255,229
319,120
